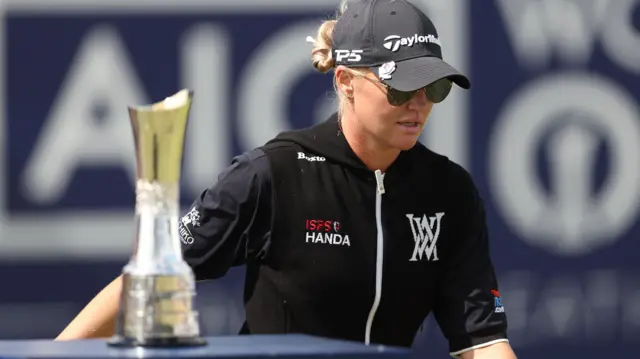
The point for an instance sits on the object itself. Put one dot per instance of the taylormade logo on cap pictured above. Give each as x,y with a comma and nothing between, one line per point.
393,42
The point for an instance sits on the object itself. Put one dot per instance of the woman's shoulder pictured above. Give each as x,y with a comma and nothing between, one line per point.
246,176
252,162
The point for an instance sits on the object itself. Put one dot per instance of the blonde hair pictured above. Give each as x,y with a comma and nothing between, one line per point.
321,55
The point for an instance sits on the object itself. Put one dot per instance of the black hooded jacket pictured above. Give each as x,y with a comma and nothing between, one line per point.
337,250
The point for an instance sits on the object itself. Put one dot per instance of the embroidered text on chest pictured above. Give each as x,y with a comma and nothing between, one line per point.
426,231
325,232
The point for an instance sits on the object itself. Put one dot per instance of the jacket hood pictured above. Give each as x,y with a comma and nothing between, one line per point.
324,139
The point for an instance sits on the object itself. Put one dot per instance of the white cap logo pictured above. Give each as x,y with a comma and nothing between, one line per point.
390,44
385,71
393,42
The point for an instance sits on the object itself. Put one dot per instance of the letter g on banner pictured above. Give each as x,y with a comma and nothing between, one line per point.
572,219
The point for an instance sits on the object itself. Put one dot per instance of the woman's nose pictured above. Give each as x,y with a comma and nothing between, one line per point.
419,100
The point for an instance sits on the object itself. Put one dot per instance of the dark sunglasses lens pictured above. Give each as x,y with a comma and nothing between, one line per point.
436,93
397,97
439,90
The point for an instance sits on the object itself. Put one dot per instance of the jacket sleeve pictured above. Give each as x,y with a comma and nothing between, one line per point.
468,308
229,223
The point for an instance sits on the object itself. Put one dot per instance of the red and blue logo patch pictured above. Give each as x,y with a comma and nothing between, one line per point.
497,302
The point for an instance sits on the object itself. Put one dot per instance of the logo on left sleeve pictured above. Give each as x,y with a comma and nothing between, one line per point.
192,218
497,302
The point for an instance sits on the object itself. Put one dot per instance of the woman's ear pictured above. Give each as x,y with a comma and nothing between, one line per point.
344,81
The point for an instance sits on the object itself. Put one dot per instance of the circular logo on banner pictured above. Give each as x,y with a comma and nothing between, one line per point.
573,216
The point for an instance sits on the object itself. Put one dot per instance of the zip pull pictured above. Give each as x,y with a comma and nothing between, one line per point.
380,181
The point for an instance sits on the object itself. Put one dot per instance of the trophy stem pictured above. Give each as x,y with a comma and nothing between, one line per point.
157,214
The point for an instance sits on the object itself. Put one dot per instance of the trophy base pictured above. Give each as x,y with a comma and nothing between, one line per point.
122,342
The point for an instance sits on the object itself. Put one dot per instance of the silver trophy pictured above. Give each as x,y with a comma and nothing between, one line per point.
158,290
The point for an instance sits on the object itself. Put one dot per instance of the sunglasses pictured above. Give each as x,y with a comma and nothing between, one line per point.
436,91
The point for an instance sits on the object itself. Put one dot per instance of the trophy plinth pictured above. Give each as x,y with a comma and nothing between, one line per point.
158,290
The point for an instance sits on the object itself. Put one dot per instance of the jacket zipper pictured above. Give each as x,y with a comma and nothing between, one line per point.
379,255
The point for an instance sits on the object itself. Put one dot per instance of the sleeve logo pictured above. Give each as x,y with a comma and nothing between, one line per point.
192,218
497,302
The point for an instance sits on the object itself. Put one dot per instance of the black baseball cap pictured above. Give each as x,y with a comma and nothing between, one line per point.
396,40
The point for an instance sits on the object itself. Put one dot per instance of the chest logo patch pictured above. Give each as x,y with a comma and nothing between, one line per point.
325,232
426,231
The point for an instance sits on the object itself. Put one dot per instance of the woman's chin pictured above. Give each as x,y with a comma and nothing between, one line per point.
406,143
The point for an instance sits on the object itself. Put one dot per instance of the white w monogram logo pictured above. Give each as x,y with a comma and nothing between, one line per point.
425,234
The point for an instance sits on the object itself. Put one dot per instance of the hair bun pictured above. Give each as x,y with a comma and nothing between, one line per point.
321,56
